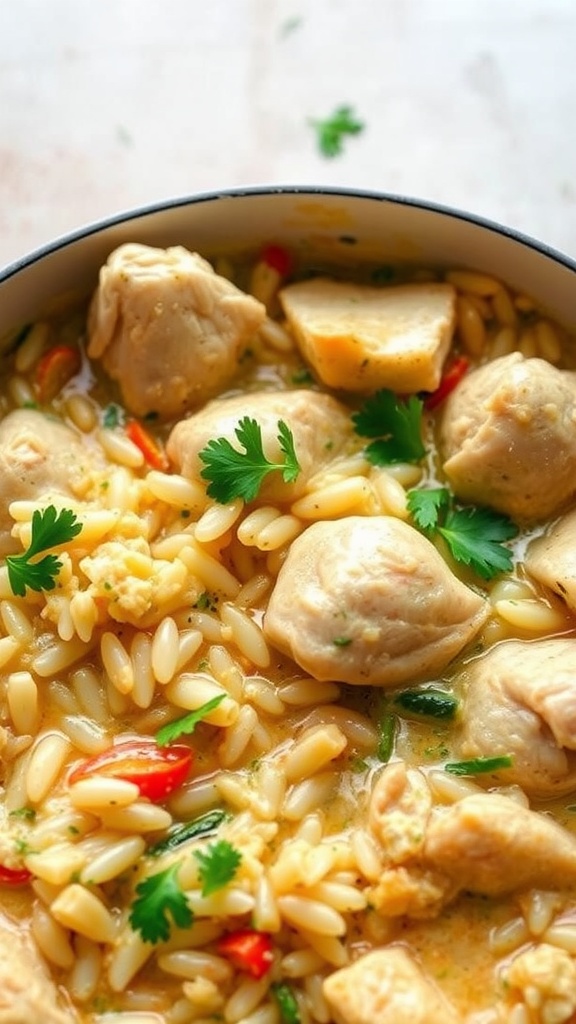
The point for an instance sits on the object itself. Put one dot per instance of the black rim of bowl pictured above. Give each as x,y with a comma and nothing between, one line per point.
151,209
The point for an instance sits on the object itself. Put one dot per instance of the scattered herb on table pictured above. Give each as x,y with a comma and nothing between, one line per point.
331,131
475,536
160,901
218,865
50,528
240,474
396,426
478,765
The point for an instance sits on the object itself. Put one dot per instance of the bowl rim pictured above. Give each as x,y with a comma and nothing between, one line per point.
241,191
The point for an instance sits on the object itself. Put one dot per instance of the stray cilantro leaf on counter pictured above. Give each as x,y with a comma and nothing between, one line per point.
478,765
218,865
186,725
49,529
330,131
397,426
240,474
475,536
159,902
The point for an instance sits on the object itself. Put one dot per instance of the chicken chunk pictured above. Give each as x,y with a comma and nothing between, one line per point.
168,328
386,986
489,844
521,700
551,559
39,457
320,427
400,807
361,338
370,600
508,437
27,995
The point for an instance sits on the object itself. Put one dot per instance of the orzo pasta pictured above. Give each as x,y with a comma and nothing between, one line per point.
288,650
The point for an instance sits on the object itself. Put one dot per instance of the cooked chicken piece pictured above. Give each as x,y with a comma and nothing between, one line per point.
400,807
168,328
386,987
369,600
489,844
521,700
320,427
360,338
551,559
508,437
38,457
27,995
545,978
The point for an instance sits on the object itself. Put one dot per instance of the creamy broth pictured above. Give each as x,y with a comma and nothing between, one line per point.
166,601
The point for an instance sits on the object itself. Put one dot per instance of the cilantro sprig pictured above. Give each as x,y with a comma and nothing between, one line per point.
49,529
240,474
475,536
330,131
160,901
218,865
396,426
185,726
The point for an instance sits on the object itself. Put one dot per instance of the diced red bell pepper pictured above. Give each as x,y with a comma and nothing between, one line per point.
151,450
451,378
14,876
278,258
55,369
249,950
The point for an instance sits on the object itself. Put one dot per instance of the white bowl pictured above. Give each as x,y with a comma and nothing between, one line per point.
338,225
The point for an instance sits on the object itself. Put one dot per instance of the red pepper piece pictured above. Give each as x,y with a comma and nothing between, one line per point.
249,951
451,378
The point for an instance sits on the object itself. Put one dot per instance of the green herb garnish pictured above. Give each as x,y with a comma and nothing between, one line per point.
474,536
397,426
201,827
432,703
240,474
186,725
218,865
479,765
49,529
387,735
160,901
287,1003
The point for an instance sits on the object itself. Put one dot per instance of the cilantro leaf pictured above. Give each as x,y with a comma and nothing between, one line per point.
425,506
397,425
240,474
218,865
475,535
287,1003
49,529
330,131
186,725
160,902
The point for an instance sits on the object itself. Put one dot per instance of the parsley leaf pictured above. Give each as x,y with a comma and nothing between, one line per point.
160,901
49,529
330,131
186,725
475,536
240,474
218,865
396,423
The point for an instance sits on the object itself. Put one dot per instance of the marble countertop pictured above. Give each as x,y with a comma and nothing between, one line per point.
106,106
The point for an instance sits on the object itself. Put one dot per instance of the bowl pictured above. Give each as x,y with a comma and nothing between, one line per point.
316,935
335,224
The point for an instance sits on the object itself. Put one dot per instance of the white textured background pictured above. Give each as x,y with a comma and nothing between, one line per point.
108,104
